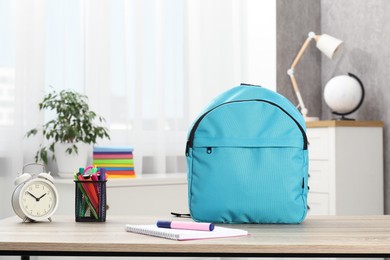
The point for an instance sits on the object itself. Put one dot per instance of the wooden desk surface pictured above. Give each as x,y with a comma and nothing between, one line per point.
344,123
316,236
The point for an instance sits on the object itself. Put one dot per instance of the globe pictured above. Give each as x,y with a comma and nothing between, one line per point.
344,94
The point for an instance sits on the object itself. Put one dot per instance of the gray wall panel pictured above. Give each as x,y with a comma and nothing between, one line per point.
295,19
364,27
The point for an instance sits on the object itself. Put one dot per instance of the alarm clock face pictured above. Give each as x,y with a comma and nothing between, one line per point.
38,199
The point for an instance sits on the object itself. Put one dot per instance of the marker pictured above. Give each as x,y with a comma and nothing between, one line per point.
186,225
102,174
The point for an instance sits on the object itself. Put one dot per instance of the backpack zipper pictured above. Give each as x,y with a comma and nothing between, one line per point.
190,141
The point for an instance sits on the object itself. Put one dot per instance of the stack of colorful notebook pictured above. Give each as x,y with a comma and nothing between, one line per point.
118,160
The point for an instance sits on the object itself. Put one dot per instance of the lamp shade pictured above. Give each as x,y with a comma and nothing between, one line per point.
328,45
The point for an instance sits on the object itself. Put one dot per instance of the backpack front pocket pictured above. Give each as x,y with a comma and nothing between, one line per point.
248,184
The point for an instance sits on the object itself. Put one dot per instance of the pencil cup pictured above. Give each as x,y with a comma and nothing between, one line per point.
90,201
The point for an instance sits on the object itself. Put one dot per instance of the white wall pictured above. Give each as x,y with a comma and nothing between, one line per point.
230,42
260,50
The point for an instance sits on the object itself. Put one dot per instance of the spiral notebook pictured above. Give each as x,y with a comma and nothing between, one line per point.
181,234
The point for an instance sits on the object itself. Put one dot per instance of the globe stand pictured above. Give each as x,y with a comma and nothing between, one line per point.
342,118
357,106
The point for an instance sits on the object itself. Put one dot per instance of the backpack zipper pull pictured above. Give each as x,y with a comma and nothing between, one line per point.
209,150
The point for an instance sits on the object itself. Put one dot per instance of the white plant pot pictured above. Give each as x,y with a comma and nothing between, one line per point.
67,163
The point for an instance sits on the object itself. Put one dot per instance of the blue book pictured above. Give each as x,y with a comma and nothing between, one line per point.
113,149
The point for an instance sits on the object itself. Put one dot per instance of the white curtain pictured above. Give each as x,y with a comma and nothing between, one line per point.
148,66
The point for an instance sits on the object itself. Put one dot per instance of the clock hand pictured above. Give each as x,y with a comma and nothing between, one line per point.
41,197
33,196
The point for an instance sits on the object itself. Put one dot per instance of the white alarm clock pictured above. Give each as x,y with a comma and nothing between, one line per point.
35,197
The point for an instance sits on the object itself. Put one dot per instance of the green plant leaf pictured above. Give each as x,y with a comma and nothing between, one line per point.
74,122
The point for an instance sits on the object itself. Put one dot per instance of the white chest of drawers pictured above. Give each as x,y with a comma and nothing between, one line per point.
345,167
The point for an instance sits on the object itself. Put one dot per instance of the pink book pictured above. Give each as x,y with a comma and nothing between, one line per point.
113,156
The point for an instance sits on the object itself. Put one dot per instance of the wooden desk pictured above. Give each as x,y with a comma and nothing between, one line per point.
323,236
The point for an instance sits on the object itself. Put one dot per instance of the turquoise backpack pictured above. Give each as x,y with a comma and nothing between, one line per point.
247,159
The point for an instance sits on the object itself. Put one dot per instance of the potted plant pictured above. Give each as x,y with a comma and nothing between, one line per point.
71,133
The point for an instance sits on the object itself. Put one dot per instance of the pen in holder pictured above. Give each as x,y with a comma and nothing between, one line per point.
90,199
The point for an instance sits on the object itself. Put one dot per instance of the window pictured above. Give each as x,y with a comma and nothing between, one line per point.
148,66
7,64
131,66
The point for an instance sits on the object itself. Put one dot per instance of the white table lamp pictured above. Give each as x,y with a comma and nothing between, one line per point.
327,45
